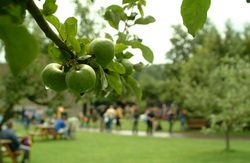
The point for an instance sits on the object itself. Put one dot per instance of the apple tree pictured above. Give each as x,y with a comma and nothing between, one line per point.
106,62
83,67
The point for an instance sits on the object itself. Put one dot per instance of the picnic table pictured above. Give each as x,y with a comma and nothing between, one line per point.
7,152
44,131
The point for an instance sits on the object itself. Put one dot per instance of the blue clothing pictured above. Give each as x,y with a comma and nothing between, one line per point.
10,134
59,124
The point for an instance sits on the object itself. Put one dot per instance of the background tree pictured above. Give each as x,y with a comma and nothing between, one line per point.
27,85
90,22
151,80
213,82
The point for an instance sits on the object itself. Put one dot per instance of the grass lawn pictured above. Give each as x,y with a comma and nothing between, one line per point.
107,148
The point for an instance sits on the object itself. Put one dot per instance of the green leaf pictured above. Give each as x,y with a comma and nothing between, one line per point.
145,20
84,42
115,82
146,51
21,48
116,67
108,36
104,81
129,1
71,26
49,7
135,87
122,38
74,43
139,6
15,10
248,1
56,54
54,21
98,85
128,55
114,15
120,47
132,16
194,14
62,32
143,2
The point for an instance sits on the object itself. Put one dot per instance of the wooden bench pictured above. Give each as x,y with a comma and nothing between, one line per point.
7,152
196,123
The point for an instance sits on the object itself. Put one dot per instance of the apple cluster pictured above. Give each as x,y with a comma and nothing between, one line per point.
80,77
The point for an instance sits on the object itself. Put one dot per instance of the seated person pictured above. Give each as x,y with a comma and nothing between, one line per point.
16,144
60,125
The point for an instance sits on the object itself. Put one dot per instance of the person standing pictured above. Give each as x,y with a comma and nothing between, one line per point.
136,116
110,115
119,116
170,118
150,122
183,118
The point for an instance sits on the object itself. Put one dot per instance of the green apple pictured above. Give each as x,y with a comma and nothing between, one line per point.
103,49
138,66
128,67
54,77
81,79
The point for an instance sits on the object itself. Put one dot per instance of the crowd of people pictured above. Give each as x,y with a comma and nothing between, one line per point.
107,117
112,116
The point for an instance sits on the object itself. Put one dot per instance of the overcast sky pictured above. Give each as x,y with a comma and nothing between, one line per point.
167,13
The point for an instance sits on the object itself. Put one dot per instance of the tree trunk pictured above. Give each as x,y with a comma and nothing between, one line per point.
7,114
227,138
102,124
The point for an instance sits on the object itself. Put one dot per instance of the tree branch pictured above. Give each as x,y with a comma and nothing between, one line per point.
34,100
42,23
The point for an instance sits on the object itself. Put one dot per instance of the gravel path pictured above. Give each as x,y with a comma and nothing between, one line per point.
166,135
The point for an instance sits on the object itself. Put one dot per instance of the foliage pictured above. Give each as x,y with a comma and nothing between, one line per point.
213,81
88,26
15,88
151,79
69,49
14,47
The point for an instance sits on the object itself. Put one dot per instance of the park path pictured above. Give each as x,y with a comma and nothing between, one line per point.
129,133
165,134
